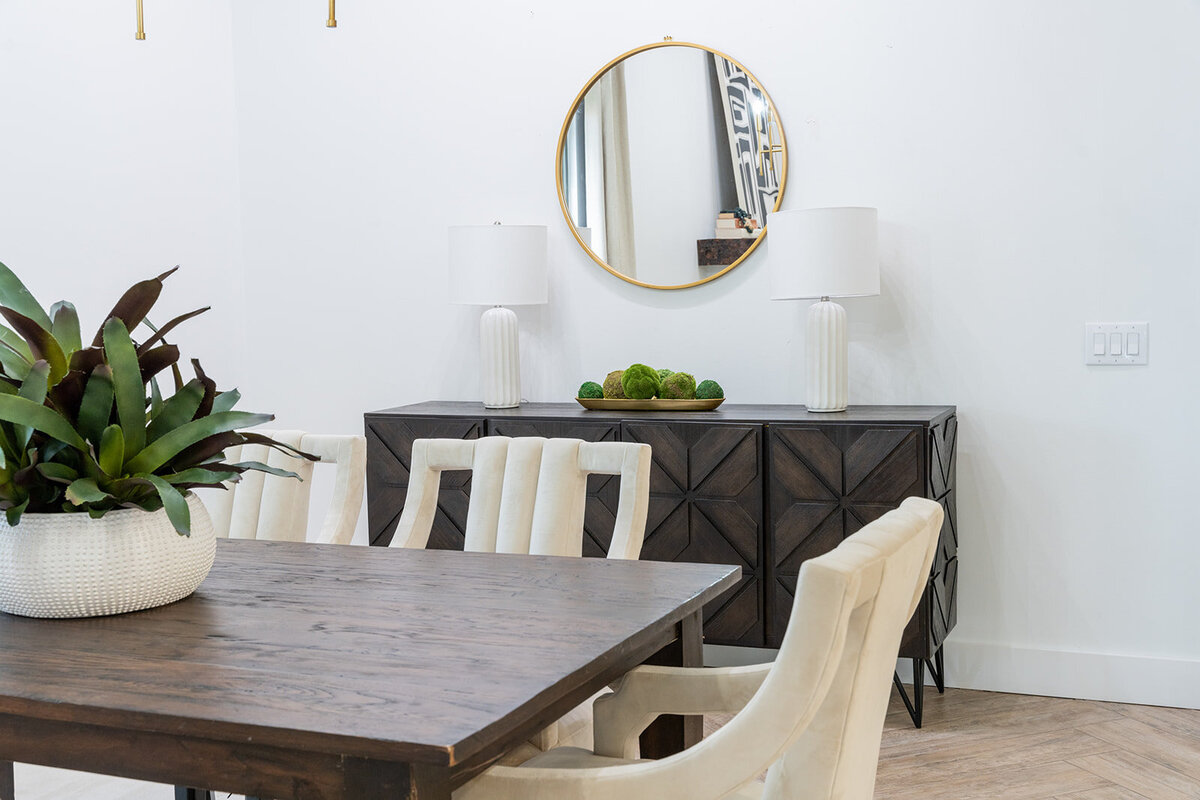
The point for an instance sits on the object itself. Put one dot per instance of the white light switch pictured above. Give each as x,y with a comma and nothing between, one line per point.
1116,343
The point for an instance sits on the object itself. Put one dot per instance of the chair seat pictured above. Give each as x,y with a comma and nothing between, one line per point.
578,758
574,758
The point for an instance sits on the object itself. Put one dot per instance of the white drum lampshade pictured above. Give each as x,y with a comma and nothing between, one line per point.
498,265
819,253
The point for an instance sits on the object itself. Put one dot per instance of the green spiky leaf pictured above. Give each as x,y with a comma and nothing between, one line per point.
13,513
95,410
156,398
33,390
65,326
15,363
22,411
85,490
171,444
207,477
258,466
59,473
176,411
225,401
128,388
250,437
112,451
14,295
175,504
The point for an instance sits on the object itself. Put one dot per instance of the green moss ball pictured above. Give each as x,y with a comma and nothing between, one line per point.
640,382
612,385
591,390
678,386
663,373
709,390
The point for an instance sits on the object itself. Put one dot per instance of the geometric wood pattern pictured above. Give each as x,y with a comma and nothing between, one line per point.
763,487
706,495
943,583
827,482
389,453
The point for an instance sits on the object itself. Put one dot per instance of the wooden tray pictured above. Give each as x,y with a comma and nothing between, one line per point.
604,404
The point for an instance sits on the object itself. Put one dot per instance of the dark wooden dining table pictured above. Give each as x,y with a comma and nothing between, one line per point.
322,671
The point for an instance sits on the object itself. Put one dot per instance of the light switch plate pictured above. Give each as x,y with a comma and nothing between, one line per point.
1128,343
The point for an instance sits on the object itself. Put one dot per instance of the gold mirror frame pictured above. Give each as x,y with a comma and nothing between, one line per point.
562,140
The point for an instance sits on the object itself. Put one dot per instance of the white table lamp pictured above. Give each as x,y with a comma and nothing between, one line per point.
498,265
821,253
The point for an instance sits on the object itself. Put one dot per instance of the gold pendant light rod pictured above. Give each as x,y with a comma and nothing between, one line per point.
332,21
141,31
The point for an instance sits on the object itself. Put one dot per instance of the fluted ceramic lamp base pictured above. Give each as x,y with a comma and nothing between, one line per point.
499,358
825,356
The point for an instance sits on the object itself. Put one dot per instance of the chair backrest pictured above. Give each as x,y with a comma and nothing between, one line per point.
269,507
837,753
528,493
818,716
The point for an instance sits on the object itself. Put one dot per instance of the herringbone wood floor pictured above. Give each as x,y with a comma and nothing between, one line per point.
974,746
992,746
1023,747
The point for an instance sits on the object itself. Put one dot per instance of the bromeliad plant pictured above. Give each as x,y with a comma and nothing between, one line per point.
87,429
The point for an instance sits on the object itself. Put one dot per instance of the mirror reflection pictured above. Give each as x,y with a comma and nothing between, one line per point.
669,162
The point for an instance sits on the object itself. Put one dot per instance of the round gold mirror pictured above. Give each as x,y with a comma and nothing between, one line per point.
668,163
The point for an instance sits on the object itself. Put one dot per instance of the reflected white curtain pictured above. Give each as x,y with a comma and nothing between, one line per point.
618,187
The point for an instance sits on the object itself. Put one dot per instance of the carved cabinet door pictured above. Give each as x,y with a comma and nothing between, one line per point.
706,490
389,454
827,482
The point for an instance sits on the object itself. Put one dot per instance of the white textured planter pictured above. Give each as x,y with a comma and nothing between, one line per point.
70,565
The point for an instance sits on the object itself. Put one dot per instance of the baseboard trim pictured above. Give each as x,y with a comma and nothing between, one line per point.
1060,673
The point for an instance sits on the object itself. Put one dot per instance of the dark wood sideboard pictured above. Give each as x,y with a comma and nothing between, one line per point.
760,486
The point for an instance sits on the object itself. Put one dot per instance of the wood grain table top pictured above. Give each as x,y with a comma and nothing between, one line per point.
413,655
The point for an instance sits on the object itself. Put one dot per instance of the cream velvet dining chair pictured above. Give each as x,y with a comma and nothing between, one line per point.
272,508
528,496
813,718
527,493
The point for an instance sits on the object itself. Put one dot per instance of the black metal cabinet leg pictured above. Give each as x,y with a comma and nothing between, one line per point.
918,689
913,706
7,792
938,668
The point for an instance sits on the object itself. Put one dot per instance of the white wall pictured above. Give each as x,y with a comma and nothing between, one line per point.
118,160
1035,166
